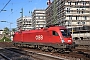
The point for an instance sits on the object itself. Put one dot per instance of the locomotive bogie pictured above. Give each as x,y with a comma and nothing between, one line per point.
61,48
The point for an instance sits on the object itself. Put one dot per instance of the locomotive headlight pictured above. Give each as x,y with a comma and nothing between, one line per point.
63,41
69,40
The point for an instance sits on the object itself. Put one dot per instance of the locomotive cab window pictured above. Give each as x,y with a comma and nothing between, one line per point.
65,33
55,33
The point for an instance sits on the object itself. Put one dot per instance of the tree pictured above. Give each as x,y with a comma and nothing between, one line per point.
6,31
14,30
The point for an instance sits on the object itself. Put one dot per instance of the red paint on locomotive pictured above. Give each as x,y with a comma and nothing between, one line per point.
56,38
57,34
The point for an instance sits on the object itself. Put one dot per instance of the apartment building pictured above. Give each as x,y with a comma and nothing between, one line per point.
38,18
69,13
24,23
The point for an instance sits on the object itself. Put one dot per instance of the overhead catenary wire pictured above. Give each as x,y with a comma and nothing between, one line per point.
5,6
12,12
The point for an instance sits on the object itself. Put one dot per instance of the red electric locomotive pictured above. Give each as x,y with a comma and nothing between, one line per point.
54,38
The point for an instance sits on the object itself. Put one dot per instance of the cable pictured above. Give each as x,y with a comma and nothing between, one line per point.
5,6
19,8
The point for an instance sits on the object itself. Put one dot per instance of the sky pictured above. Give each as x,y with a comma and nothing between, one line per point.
13,9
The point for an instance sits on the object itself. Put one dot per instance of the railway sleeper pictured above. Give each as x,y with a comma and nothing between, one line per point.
85,54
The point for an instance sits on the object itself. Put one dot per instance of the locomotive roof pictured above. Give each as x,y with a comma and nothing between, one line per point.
44,29
59,27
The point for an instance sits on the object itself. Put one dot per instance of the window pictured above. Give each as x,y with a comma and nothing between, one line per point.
68,10
65,33
70,17
55,33
78,11
83,22
69,3
37,21
76,3
77,18
69,23
85,18
38,17
78,22
82,11
84,3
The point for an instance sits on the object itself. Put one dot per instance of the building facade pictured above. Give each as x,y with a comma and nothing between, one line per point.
24,23
1,32
69,13
38,18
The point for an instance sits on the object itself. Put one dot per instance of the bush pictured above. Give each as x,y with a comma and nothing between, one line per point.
5,39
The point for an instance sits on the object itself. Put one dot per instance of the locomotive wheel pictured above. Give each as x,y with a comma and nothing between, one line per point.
61,51
54,50
42,49
45,49
50,48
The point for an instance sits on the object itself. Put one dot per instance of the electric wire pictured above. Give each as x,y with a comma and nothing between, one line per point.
5,6
12,12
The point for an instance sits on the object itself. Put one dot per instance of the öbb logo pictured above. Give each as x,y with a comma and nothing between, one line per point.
39,37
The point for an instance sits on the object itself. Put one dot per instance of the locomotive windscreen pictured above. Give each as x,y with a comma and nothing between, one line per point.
65,33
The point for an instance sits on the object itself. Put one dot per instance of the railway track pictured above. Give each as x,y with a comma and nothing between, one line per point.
6,54
11,53
36,55
3,57
83,44
75,55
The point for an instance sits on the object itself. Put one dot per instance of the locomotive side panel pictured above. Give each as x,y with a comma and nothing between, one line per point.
41,37
27,37
17,37
36,37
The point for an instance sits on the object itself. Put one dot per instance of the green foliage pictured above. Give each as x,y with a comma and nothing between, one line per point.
5,39
14,30
6,31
